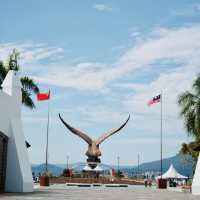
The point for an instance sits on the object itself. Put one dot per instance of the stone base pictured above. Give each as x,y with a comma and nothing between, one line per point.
196,190
93,161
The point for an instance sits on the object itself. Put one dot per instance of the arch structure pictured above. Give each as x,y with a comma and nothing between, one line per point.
15,168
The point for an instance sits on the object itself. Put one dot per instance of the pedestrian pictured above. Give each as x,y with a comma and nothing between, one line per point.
150,182
145,182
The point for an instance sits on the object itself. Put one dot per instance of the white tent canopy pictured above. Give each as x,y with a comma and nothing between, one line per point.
171,173
98,169
87,168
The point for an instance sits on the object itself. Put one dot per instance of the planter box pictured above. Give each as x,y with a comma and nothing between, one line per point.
162,183
44,181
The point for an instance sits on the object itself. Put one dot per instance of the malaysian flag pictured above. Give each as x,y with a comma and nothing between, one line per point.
154,100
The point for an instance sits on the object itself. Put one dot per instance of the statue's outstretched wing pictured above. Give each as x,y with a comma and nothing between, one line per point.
77,132
111,132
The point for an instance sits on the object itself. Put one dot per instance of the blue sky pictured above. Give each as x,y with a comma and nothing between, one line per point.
103,60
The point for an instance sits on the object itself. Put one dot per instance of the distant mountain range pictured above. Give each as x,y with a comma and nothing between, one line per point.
183,165
57,169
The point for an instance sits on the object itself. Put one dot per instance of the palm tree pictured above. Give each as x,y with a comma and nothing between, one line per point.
188,149
29,87
190,111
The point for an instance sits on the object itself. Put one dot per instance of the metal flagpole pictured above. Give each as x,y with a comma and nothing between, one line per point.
67,162
47,144
161,134
138,165
118,165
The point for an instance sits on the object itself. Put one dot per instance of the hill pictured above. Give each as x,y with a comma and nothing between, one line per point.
57,169
54,169
183,164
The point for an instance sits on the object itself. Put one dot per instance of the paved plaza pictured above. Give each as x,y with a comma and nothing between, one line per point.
101,193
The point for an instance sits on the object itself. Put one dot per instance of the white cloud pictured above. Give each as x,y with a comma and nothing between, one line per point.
29,52
149,141
102,113
162,45
189,10
172,84
135,34
166,46
174,52
85,76
103,7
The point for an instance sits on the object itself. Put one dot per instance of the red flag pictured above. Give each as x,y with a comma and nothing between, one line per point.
155,99
43,96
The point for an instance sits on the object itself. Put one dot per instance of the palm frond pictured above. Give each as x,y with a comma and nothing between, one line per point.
26,99
190,110
196,85
186,97
190,123
184,149
29,85
187,107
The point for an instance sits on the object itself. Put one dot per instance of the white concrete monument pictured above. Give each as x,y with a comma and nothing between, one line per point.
15,169
196,179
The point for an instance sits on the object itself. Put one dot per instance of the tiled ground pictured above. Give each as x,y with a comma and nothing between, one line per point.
101,193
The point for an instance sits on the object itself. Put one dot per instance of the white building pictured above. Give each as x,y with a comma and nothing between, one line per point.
15,170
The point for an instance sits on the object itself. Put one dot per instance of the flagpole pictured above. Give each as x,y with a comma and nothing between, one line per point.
47,142
161,133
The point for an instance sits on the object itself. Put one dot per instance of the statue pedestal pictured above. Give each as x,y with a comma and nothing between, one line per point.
93,162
